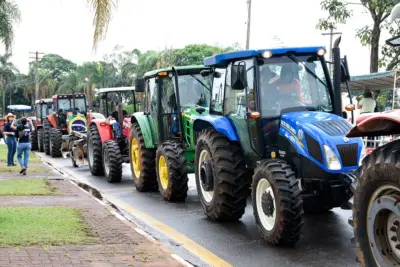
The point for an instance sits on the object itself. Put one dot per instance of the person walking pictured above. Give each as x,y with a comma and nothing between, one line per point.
367,104
11,140
24,145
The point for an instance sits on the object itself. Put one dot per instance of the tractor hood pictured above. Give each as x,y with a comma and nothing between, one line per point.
321,137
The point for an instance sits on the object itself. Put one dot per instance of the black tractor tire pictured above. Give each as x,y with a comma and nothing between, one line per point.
145,179
287,204
376,196
229,176
34,140
55,142
46,140
40,139
112,161
95,151
175,190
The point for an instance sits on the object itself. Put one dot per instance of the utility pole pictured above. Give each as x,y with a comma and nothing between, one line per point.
248,24
331,34
36,58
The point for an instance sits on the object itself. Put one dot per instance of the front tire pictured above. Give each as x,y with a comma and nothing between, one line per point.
172,173
277,205
55,142
221,177
41,140
94,152
46,136
112,161
142,161
376,209
34,140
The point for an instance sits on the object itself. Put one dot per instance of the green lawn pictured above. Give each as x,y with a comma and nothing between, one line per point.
26,187
32,169
3,155
24,226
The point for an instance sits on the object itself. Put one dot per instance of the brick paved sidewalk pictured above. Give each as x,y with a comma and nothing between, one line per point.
117,243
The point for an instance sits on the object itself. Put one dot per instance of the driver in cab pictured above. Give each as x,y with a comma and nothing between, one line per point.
115,124
287,82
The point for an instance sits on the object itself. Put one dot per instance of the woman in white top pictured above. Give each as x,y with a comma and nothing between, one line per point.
367,104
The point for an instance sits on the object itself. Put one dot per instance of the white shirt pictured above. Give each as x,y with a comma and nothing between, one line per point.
367,105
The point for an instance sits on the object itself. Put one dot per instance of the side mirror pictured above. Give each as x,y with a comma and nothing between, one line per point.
94,103
238,76
205,73
345,74
140,85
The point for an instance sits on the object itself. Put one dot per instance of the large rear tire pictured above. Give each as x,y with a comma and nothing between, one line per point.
34,140
221,177
172,173
142,162
46,140
376,209
112,161
55,142
41,140
94,152
277,204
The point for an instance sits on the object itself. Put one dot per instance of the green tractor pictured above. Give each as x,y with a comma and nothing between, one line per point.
162,141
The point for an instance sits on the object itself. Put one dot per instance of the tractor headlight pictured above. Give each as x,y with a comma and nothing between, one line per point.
332,161
362,155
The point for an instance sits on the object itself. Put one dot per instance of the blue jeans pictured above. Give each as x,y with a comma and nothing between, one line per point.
116,129
26,149
11,142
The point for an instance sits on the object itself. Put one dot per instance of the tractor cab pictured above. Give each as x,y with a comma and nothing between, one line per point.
67,107
172,96
43,107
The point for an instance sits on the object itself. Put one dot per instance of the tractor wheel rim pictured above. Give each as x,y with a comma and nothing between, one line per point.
264,187
90,151
106,162
163,172
135,154
384,214
207,195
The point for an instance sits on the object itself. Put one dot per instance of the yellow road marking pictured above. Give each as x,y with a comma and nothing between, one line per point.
204,254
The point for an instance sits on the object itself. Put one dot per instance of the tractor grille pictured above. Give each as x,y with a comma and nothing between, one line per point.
348,154
314,149
333,128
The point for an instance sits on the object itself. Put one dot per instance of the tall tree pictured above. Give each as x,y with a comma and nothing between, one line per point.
9,16
340,11
7,73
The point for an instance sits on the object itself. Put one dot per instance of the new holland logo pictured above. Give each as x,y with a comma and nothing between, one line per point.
345,139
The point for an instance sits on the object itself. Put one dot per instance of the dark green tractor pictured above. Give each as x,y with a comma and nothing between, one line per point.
162,141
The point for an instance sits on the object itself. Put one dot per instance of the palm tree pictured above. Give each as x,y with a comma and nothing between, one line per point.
102,10
9,15
7,70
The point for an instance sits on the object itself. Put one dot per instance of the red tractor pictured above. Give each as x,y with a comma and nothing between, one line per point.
69,115
108,139
43,107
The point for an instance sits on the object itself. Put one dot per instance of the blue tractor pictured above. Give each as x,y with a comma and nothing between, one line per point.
275,124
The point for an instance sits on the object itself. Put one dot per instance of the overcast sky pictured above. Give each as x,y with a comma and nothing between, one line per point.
64,27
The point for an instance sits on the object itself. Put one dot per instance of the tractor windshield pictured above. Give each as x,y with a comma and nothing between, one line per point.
67,104
291,83
193,90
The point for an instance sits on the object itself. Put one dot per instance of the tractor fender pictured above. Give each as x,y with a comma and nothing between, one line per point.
377,124
105,130
52,119
144,122
220,123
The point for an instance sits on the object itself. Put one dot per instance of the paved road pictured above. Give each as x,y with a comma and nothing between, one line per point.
325,240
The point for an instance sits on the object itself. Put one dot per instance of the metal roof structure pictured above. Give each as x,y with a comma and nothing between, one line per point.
46,100
225,58
115,89
374,81
19,107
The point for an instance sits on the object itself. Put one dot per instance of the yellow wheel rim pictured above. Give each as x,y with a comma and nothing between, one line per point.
163,172
135,155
